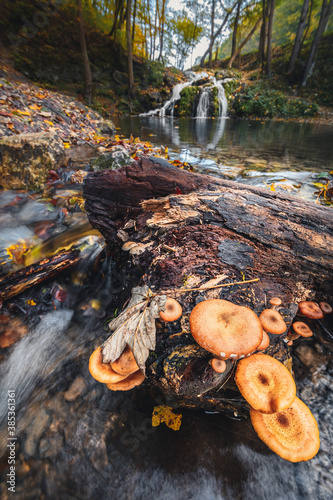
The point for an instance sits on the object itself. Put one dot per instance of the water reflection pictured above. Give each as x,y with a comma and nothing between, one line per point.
301,146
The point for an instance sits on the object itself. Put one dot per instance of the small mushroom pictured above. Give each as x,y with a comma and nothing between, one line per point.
310,309
173,310
125,364
128,383
275,302
137,249
292,433
265,383
225,329
272,321
302,329
325,307
218,365
102,372
129,245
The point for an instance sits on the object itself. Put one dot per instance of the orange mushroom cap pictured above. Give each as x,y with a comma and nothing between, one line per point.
125,364
326,308
128,383
102,372
310,309
272,321
302,329
173,310
264,343
292,434
275,302
218,365
225,329
265,383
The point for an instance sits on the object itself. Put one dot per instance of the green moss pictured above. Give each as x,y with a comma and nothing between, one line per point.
230,87
187,98
254,100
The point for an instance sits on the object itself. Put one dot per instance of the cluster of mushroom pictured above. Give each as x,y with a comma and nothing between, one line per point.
235,332
124,373
310,310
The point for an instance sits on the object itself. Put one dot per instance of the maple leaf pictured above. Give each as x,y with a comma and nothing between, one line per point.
135,327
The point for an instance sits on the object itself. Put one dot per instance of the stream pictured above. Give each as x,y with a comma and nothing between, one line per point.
75,439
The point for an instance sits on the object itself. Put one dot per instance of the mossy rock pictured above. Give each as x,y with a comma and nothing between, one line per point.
26,159
188,100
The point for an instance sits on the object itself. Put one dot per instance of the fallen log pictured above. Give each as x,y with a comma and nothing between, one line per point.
202,228
17,282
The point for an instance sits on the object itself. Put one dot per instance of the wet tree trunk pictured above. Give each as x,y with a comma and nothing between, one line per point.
193,228
295,235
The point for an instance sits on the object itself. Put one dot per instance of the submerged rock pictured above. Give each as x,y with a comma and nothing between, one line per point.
26,159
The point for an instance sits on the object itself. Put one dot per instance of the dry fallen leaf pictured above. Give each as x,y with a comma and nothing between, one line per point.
135,327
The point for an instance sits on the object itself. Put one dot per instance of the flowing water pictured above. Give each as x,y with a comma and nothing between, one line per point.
76,439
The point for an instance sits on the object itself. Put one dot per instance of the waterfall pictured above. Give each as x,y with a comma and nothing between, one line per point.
175,96
223,103
204,100
204,103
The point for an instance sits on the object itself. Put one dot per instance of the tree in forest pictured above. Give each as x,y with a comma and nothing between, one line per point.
187,34
299,36
131,88
215,32
326,10
234,34
252,16
271,4
86,64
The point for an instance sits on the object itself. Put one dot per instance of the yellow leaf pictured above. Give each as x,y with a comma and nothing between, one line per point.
319,185
31,302
26,113
49,123
95,304
35,107
168,416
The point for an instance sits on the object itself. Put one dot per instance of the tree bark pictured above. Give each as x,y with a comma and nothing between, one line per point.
214,229
269,38
262,39
234,34
86,64
324,17
212,23
244,42
131,89
299,36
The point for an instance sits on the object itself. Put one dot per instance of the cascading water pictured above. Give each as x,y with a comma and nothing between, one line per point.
204,103
169,106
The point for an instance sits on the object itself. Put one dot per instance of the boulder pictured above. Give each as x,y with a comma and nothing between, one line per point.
106,127
25,159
